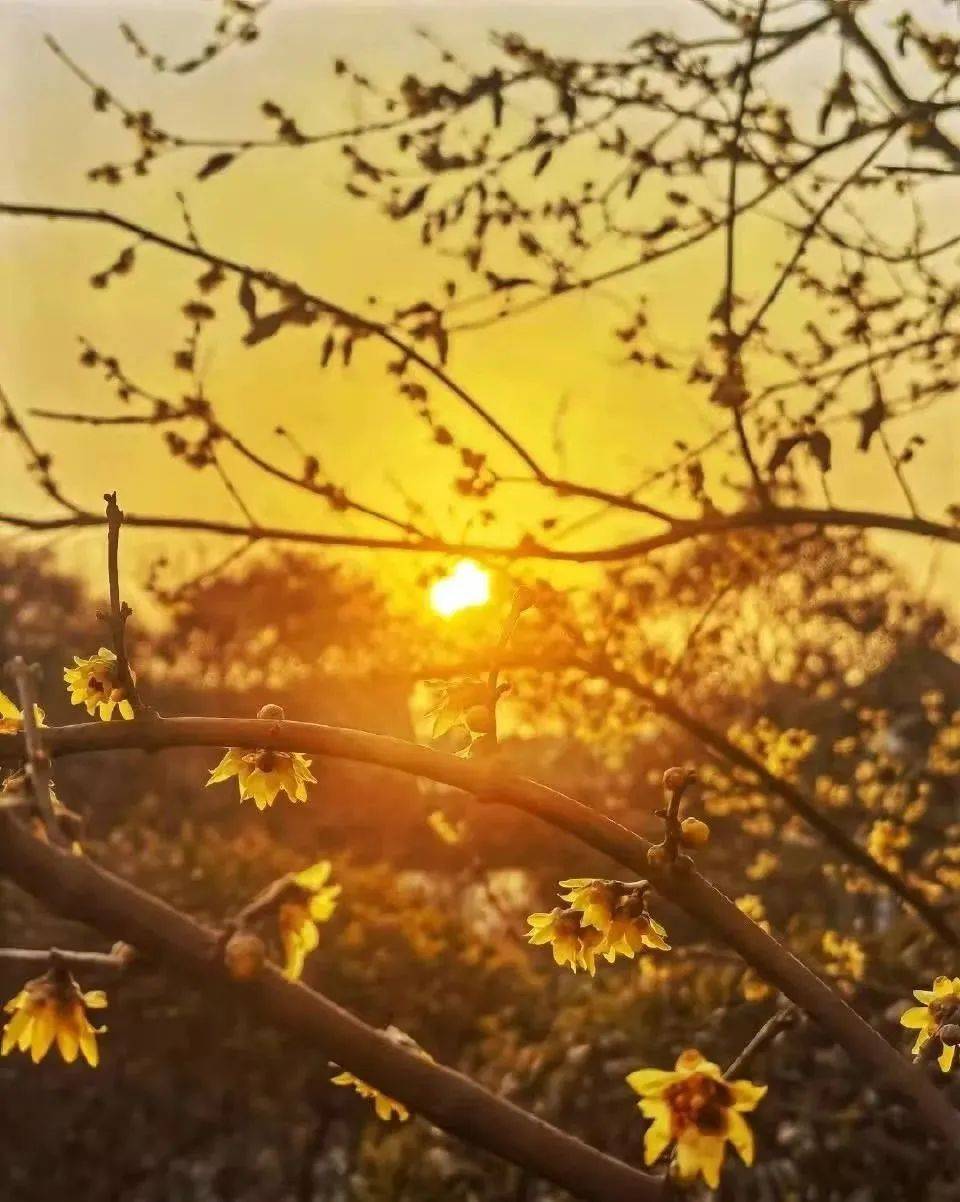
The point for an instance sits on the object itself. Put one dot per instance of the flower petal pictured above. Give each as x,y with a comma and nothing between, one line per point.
916,1017
740,1135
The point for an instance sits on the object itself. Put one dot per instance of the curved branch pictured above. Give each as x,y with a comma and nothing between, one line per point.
680,532
833,835
490,782
84,892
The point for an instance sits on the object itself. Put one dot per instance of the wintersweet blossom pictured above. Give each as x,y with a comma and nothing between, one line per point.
940,1008
697,1109
263,774
53,1007
384,1106
308,901
95,683
11,718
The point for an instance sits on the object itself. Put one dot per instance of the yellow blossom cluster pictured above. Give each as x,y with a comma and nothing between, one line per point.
764,864
782,752
603,918
943,757
696,1109
846,959
885,842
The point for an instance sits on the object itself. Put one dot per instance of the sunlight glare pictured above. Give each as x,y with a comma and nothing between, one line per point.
467,585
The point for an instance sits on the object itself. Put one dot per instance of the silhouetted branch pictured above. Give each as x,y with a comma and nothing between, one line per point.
527,548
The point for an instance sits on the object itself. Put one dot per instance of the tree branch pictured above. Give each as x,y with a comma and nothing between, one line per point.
84,892
490,782
681,532
120,611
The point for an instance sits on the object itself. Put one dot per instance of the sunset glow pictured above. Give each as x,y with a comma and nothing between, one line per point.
468,585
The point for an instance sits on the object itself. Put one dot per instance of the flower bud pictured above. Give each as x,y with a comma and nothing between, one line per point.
479,718
657,856
694,832
244,955
674,778
271,712
124,954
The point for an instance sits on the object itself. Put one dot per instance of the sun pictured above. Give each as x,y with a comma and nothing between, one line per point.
467,585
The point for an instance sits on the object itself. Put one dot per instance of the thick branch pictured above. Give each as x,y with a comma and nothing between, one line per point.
690,891
832,835
83,892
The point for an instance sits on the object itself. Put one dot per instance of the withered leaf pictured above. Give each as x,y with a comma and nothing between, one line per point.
413,202
543,161
215,163
247,298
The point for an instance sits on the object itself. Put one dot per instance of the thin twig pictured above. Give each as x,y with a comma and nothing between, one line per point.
120,611
73,959
769,1031
732,340
37,762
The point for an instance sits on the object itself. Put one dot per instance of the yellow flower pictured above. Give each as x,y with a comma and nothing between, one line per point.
444,829
941,1007
11,719
385,1106
53,1007
696,1108
595,899
633,929
263,774
605,918
564,930
308,900
618,910
94,683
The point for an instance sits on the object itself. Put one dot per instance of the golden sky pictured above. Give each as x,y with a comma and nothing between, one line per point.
287,210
